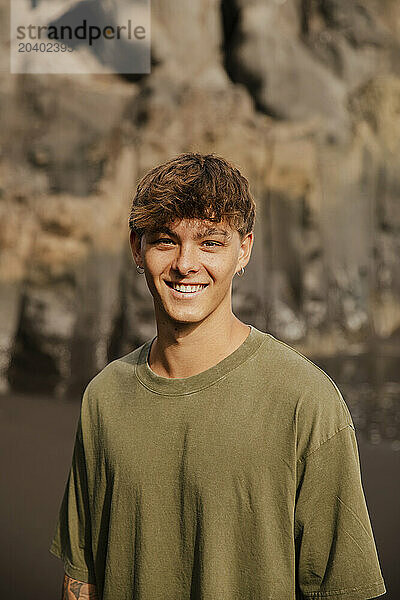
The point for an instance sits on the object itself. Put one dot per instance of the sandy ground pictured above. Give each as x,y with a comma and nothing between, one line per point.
36,441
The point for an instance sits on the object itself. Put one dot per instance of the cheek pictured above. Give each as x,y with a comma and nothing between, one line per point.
157,264
224,270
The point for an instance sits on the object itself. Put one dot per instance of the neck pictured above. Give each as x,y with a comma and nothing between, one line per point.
186,349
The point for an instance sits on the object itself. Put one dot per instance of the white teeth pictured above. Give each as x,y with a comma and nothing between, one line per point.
187,288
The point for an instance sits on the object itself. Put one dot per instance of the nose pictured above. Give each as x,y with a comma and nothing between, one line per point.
186,260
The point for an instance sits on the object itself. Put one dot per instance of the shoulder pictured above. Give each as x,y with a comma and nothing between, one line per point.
115,378
315,401
293,370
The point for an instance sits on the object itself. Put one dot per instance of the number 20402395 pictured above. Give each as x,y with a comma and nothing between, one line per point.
43,47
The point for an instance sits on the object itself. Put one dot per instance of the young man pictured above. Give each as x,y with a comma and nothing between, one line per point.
214,462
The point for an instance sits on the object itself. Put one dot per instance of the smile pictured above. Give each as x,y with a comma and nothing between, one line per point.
184,288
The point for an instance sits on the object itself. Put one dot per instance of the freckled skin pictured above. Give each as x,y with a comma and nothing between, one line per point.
188,253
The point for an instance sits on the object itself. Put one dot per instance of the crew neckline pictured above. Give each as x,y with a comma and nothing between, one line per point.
188,385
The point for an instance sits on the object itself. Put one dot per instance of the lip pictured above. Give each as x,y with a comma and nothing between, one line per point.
185,295
186,282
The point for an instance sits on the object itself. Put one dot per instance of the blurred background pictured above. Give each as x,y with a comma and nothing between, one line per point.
304,97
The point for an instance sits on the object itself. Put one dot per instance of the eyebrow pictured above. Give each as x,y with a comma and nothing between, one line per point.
213,231
161,229
200,234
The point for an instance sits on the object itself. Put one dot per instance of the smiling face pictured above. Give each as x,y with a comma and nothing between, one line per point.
189,266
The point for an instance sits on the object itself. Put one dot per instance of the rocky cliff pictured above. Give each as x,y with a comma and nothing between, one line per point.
303,95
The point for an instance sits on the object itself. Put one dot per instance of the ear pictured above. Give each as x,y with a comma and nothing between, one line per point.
136,246
246,246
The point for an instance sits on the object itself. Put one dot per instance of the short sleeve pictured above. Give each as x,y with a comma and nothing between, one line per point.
336,556
72,539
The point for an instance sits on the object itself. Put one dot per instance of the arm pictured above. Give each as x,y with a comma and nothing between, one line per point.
73,589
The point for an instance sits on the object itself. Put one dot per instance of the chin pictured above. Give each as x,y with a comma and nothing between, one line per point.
185,317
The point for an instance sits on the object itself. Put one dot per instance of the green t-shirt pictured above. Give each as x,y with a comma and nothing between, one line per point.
239,483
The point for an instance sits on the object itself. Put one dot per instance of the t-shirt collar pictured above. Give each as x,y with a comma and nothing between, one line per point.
194,383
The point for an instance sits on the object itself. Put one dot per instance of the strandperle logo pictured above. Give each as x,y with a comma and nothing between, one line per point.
80,36
81,32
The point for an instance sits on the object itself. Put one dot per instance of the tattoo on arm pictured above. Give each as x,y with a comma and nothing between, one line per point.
75,587
78,590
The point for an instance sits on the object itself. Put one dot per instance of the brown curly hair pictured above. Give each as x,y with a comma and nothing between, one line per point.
193,186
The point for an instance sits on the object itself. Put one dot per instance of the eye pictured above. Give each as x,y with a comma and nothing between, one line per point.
164,241
211,243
